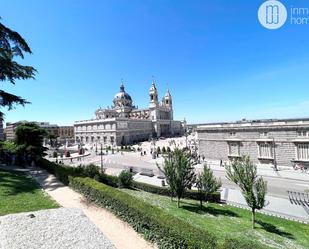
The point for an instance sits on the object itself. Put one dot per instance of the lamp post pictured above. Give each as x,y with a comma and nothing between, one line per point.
154,148
101,158
274,151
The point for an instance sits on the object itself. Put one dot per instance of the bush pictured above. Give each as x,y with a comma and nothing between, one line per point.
91,170
62,172
231,243
125,179
154,223
190,194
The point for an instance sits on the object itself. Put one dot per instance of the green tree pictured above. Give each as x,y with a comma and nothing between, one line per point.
29,139
207,184
158,150
168,149
163,150
244,173
8,146
12,46
179,173
51,137
125,179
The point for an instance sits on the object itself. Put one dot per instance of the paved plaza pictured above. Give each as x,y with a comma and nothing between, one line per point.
288,189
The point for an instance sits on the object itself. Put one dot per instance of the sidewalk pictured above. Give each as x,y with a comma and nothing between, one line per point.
117,231
265,170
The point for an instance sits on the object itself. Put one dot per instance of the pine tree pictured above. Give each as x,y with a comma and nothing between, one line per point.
12,46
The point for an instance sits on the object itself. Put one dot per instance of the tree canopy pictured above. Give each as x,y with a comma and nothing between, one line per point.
179,172
244,173
12,46
207,183
29,138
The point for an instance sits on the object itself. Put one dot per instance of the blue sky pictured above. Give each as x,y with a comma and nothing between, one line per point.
217,60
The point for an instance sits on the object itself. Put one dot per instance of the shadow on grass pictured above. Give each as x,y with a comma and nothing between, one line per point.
208,210
273,229
15,183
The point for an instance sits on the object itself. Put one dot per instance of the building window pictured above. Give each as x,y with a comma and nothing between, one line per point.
302,134
302,152
234,149
105,139
263,134
232,134
265,150
112,139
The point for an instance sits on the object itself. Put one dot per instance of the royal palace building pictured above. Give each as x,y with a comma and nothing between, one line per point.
124,123
282,142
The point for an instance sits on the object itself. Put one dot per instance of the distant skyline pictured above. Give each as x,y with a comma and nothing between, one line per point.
217,60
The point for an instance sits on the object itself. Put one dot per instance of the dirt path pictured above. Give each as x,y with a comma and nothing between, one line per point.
117,231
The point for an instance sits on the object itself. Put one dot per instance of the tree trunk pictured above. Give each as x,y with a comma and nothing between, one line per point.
201,204
253,218
178,201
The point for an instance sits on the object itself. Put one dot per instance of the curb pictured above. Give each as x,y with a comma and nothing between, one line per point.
270,213
279,177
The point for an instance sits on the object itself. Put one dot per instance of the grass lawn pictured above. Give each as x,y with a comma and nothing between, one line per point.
20,193
225,220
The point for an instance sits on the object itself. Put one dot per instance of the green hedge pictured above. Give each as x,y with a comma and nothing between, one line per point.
154,223
62,172
190,194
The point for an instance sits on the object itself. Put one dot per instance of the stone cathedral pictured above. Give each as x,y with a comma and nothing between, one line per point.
124,123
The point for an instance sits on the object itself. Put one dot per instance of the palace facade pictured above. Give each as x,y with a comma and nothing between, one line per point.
282,142
124,123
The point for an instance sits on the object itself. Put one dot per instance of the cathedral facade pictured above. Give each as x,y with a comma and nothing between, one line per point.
124,123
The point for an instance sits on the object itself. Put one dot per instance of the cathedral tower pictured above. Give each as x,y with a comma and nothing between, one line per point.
153,94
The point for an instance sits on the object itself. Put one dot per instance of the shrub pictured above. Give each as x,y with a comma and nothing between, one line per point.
232,243
154,223
91,170
125,179
62,172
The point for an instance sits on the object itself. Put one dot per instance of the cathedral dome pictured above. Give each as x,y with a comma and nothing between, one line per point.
122,99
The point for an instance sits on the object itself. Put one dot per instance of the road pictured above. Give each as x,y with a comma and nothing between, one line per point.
277,187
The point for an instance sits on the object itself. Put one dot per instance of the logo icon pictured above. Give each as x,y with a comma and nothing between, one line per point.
272,14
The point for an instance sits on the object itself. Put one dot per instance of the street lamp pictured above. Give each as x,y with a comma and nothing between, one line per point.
101,158
274,151
154,148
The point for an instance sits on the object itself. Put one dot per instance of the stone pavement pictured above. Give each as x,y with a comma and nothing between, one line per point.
118,232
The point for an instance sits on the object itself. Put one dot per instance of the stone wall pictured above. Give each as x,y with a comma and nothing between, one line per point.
214,144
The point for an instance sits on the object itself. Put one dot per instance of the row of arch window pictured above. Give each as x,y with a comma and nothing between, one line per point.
96,127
